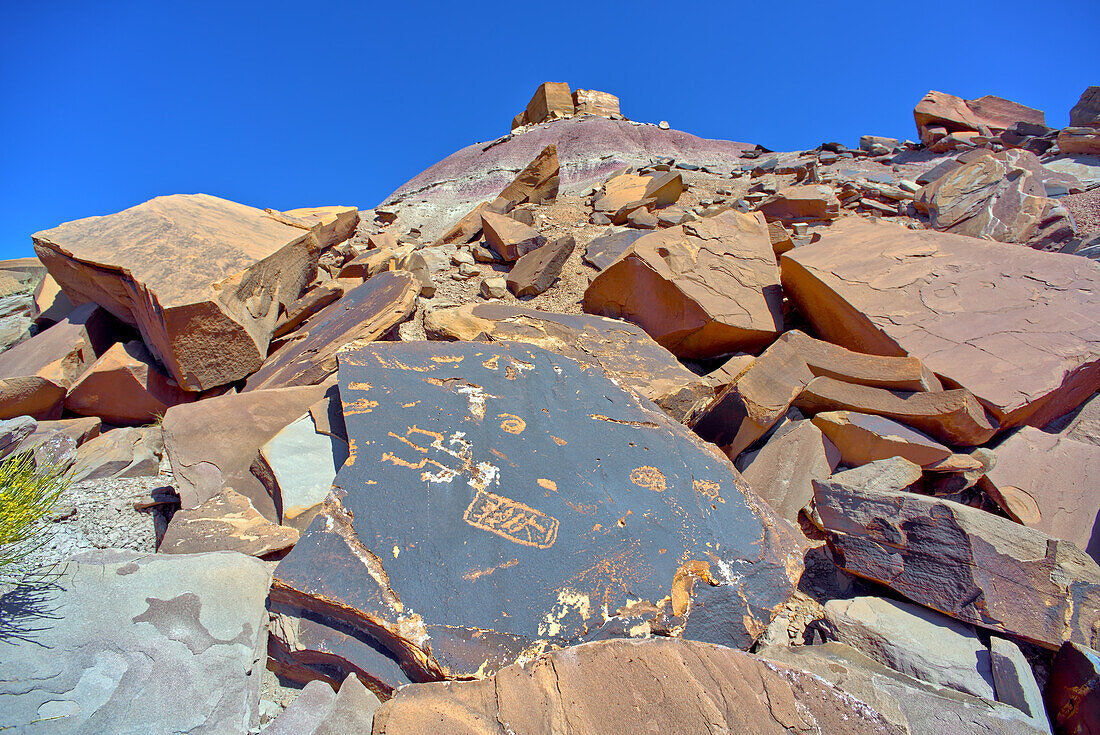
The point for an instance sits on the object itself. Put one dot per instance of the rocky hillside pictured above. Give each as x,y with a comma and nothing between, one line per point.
598,427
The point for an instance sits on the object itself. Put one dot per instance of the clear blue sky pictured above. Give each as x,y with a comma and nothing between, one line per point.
106,104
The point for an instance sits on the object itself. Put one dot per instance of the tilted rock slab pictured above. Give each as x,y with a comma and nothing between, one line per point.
1072,693
1019,329
965,562
35,374
629,687
202,278
225,522
212,443
140,643
125,386
862,438
918,707
622,349
701,289
363,314
501,500
1049,483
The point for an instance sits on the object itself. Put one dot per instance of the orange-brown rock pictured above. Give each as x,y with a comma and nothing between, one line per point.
781,239
628,192
953,416
763,392
331,225
537,271
729,371
990,317
970,564
311,302
783,470
212,443
362,315
508,238
225,522
622,349
202,278
954,114
594,102
1079,141
536,183
552,100
628,687
373,262
1049,483
125,387
862,438
35,374
700,289
51,305
801,204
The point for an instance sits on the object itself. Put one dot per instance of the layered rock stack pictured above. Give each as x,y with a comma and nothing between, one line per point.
608,429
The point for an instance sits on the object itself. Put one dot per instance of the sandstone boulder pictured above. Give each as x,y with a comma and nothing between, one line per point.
594,102
488,554
700,289
801,204
51,305
35,374
537,271
225,522
311,302
967,563
124,452
330,225
1072,693
861,438
989,317
953,416
552,100
317,711
1080,141
955,114
203,279
212,443
603,250
153,643
508,238
627,687
916,641
783,470
1049,483
125,387
1086,113
363,314
623,350
917,707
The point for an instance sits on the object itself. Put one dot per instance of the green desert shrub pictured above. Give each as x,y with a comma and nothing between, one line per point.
27,495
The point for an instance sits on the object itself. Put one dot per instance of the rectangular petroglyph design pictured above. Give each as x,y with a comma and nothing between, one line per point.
511,520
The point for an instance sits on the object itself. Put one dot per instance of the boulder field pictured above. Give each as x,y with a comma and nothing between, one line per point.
599,427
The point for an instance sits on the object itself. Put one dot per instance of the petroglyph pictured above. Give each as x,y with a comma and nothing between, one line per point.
512,520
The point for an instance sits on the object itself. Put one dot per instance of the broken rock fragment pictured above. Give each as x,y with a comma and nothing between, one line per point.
783,470
1049,483
125,386
202,278
363,314
490,555
801,204
967,563
620,687
1072,693
508,238
954,114
225,522
862,438
700,289
622,349
989,317
537,271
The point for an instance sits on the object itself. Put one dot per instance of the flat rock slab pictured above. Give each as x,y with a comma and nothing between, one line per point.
1049,483
784,469
202,278
538,270
622,349
972,565
213,443
138,643
862,438
993,318
603,250
918,707
363,314
628,687
225,522
701,289
125,387
133,451
517,500
914,640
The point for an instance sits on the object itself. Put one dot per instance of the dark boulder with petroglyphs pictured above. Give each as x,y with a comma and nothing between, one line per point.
530,503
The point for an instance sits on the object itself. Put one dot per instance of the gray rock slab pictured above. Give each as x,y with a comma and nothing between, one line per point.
1015,681
303,463
129,643
921,708
124,452
914,640
306,713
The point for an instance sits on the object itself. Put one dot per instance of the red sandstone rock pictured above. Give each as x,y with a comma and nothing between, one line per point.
955,114
125,387
801,204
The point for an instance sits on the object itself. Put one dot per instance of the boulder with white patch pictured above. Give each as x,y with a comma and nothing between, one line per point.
500,500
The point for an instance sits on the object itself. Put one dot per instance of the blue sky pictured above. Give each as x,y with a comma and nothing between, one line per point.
107,104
